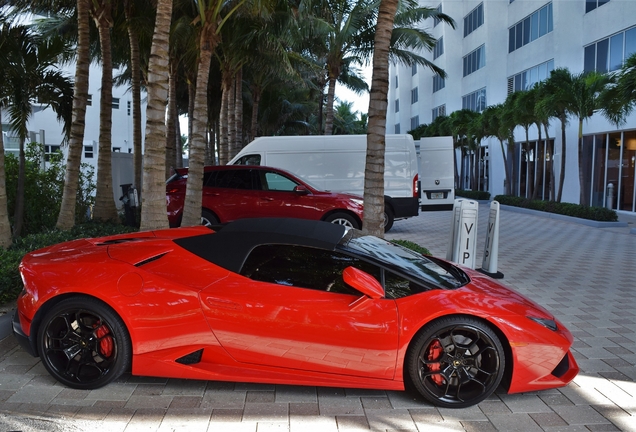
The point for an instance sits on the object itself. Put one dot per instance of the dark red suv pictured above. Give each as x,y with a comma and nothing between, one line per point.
237,191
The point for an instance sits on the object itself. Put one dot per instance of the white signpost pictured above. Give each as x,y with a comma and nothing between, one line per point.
491,246
463,241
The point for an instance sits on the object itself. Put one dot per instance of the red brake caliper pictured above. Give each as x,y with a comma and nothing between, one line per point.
105,343
435,352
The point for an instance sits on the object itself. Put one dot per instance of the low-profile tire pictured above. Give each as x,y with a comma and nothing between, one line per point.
83,343
208,218
456,362
343,219
388,218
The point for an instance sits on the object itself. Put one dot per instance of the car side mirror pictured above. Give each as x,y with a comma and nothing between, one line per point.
301,189
363,282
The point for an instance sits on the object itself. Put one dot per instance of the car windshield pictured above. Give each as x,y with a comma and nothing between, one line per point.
410,263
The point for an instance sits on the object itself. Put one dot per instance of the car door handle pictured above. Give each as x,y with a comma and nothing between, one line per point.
267,199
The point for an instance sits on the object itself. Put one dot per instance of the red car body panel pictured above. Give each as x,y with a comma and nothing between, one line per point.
229,204
173,303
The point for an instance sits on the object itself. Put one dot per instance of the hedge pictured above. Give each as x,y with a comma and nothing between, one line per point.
10,281
600,214
476,195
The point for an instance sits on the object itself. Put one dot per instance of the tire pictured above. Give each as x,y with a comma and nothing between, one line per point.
456,362
83,343
343,219
388,218
208,218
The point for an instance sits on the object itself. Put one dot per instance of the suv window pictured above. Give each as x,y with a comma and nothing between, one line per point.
303,267
234,179
278,182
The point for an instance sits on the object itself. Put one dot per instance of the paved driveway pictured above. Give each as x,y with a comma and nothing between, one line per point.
586,276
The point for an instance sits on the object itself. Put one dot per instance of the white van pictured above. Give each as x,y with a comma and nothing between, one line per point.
437,175
337,163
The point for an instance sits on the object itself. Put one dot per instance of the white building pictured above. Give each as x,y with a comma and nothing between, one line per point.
500,46
45,129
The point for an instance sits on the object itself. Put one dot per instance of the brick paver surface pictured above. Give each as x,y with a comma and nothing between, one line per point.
585,276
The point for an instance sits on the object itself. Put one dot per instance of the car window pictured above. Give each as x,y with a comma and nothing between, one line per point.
278,182
253,159
303,267
235,179
397,287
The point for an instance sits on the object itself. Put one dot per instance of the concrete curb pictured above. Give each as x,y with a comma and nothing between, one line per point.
590,223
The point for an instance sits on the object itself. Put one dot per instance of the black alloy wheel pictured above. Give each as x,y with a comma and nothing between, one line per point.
83,343
456,362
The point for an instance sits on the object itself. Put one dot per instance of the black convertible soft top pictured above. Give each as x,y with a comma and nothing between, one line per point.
229,246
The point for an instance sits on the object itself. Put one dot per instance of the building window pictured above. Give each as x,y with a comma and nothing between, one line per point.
414,95
475,60
89,100
396,81
117,149
590,5
530,28
88,152
439,111
474,20
415,122
475,101
397,105
438,83
128,107
115,103
529,77
397,128
435,19
609,54
413,68
50,150
438,49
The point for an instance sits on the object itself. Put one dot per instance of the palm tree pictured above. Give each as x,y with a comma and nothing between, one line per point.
618,98
556,100
347,122
153,209
31,75
523,103
459,123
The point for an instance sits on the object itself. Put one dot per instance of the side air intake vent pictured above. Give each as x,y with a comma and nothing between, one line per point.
192,358
562,367
149,260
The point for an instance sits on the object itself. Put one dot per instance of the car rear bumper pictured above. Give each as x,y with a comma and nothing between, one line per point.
404,207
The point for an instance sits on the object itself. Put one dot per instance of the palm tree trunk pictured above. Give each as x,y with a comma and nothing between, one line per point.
506,168
153,208
583,197
550,149
376,136
539,177
331,95
18,217
105,209
238,112
256,100
231,113
194,188
66,218
223,121
171,120
563,150
5,225
135,70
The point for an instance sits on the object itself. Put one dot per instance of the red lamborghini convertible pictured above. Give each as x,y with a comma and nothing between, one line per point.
284,301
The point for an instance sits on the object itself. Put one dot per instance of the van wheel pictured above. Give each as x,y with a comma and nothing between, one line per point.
342,219
388,218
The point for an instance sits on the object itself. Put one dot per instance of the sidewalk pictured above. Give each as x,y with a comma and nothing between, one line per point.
585,276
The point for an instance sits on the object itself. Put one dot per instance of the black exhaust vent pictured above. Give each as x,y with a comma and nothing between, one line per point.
192,358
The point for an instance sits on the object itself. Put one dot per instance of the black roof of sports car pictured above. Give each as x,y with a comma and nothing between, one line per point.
229,245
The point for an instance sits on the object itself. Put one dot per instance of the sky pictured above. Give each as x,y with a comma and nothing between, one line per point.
360,102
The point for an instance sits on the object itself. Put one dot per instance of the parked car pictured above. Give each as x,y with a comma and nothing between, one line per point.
283,301
239,192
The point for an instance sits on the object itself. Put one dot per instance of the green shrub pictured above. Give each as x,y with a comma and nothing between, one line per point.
43,189
10,281
600,214
476,195
412,245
